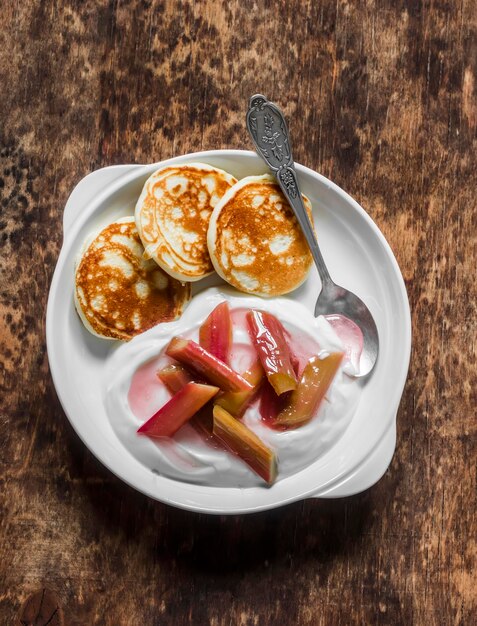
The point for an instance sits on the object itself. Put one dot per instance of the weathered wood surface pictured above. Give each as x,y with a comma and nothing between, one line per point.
383,98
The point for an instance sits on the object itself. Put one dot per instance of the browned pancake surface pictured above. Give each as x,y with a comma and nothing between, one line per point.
119,293
258,245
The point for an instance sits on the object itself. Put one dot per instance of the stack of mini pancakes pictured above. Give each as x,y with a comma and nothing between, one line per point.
189,220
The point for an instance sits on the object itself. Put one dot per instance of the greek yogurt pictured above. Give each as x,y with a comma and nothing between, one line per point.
133,394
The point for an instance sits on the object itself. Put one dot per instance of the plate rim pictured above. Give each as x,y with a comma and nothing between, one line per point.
138,171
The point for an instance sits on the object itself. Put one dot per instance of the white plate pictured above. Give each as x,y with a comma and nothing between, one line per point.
358,258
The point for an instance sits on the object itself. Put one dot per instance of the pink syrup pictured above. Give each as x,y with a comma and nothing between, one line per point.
350,335
147,393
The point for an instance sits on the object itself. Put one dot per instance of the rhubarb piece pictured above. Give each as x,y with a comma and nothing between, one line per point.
268,336
203,422
245,444
235,402
216,372
178,410
294,360
351,337
271,405
314,383
215,334
174,377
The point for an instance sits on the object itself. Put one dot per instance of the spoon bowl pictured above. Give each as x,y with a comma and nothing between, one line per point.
268,129
334,299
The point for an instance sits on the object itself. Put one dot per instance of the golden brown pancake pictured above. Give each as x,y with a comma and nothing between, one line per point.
255,241
118,293
172,216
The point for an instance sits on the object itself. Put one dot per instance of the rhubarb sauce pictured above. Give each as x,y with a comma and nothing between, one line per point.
134,392
351,337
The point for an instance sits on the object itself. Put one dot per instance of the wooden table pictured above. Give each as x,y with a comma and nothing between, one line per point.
383,101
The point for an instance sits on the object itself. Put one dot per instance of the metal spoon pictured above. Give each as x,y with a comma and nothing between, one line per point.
269,132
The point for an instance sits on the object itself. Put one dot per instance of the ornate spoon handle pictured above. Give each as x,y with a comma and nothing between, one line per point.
269,132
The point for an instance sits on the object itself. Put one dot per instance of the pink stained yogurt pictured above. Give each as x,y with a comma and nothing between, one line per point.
134,394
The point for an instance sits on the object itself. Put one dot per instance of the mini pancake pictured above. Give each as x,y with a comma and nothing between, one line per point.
118,293
255,241
172,216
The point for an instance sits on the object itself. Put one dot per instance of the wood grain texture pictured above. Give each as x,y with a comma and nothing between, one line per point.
383,98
